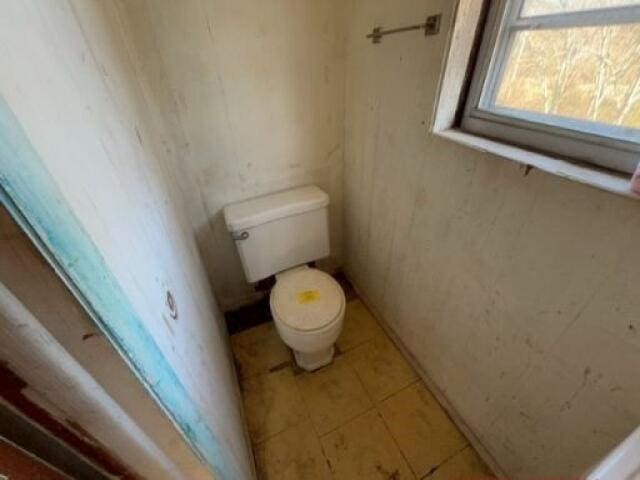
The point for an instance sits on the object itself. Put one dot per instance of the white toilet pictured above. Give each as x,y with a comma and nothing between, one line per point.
279,234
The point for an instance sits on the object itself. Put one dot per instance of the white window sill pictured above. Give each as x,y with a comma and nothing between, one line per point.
604,180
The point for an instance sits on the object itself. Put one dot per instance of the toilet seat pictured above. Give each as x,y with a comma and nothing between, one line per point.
307,300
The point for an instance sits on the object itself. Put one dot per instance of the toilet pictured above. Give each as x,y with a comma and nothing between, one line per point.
280,234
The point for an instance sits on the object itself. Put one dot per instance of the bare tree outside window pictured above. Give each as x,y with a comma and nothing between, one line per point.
560,77
589,73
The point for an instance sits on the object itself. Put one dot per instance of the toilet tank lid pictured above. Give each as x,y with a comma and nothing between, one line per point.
256,211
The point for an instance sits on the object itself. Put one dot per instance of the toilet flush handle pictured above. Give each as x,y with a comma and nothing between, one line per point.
240,235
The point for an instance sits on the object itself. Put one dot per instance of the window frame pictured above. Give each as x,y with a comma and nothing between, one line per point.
532,130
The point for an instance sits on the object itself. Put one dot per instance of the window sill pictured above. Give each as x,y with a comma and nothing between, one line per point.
609,181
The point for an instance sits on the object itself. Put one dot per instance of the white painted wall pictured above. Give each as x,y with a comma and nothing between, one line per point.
517,294
252,93
69,76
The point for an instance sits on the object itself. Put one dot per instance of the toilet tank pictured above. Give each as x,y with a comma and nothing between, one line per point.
279,231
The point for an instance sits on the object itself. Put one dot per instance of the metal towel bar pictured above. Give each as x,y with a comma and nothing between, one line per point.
431,27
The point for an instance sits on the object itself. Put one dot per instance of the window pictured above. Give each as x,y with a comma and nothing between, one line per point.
561,76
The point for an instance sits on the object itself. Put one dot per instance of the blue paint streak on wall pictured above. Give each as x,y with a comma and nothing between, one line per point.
28,187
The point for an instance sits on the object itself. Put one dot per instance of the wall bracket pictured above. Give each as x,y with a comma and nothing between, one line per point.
431,27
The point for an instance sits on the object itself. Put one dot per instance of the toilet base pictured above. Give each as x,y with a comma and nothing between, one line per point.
311,361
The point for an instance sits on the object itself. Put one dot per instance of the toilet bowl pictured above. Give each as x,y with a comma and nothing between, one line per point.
308,306
279,234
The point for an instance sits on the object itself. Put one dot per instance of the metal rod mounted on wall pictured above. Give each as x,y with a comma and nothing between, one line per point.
430,27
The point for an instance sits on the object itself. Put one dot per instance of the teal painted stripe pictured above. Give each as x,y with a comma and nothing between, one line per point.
29,191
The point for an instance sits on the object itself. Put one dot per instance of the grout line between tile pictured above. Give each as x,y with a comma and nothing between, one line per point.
346,422
280,366
450,457
364,387
393,438
358,345
313,427
324,454
395,442
402,389
306,411
412,382
272,435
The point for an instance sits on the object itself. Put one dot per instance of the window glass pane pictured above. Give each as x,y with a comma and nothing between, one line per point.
588,73
546,7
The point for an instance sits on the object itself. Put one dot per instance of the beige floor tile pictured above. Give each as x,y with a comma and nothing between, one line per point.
424,432
258,349
364,449
359,326
294,454
333,395
381,367
466,465
272,404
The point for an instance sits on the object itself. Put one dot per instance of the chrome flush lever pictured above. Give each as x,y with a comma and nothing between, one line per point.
240,236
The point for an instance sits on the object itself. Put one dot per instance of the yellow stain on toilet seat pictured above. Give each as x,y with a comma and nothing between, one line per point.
308,296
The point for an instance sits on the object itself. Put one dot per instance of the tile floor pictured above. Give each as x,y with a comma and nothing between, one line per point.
365,416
